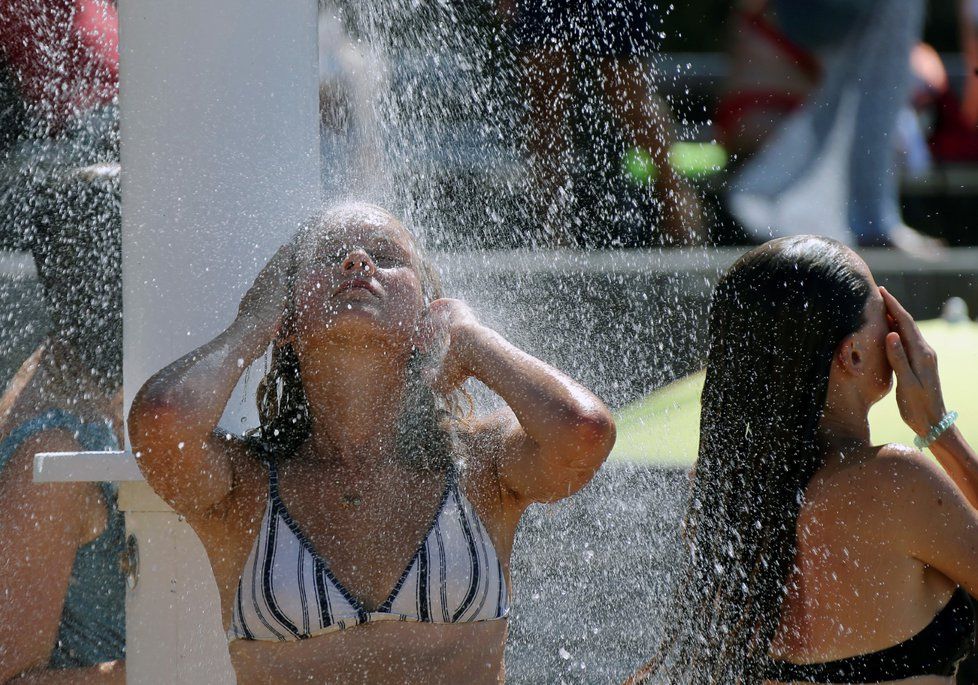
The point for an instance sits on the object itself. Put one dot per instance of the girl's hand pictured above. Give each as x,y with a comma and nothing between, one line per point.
264,305
918,390
446,333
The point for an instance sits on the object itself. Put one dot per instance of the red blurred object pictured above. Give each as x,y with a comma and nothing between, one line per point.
770,77
954,139
64,54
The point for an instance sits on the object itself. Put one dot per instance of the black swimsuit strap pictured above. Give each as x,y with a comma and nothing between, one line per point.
935,650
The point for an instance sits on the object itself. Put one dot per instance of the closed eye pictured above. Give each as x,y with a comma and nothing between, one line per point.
386,260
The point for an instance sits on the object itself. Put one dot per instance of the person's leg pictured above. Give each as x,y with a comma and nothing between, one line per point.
884,78
829,169
549,87
646,116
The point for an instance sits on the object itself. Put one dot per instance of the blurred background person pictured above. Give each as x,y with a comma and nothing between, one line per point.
63,619
62,60
606,42
823,95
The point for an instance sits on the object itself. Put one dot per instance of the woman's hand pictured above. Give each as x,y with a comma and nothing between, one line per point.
446,332
264,305
918,390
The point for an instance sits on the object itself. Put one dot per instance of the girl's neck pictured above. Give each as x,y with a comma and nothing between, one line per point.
355,396
843,429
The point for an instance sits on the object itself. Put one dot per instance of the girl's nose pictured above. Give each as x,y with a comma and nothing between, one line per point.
358,260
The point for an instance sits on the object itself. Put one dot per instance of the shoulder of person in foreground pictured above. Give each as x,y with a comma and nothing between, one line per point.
929,514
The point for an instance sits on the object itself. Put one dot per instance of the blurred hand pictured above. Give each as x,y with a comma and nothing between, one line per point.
918,391
265,302
445,335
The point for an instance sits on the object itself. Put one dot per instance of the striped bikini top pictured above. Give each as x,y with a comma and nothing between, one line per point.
287,592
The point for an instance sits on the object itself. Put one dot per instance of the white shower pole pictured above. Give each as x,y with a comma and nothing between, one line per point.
219,107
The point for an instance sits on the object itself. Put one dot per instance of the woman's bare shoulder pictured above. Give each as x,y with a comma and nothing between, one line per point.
906,481
903,465
874,485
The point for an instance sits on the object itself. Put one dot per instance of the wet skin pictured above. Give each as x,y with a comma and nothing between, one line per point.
381,653
42,525
359,308
885,534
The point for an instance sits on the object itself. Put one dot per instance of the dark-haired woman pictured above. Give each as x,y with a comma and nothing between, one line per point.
62,614
815,556
364,534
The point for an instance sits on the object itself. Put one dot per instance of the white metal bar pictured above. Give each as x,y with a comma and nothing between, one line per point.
60,467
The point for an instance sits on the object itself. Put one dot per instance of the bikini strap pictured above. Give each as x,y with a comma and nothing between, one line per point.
454,475
272,480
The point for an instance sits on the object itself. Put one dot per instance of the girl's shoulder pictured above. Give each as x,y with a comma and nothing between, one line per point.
898,464
904,482
868,487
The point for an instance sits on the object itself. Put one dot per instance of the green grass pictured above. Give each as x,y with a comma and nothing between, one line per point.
663,428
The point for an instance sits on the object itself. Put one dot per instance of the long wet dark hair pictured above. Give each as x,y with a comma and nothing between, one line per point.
777,318
426,425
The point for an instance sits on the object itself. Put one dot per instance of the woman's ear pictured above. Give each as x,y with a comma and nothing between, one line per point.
849,357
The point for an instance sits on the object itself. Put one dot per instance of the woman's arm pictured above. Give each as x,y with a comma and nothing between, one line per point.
561,434
174,415
921,401
41,528
931,517
108,673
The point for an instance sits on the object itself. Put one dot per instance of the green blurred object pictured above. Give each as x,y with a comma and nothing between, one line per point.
639,167
693,160
696,160
662,428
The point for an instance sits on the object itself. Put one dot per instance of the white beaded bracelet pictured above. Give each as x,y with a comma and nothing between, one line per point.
936,431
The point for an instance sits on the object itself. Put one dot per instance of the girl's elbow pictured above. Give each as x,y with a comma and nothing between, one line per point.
153,426
594,435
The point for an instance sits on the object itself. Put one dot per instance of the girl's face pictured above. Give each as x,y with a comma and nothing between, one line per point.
358,277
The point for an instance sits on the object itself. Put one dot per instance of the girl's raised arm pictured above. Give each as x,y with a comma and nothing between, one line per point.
937,505
173,417
921,401
557,433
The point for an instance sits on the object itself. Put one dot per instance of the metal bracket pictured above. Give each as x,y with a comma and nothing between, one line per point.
129,561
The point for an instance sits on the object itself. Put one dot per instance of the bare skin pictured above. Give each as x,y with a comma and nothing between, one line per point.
644,115
885,534
360,311
41,528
